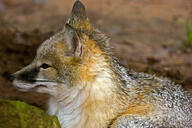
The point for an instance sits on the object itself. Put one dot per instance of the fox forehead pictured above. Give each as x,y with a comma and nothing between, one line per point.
49,47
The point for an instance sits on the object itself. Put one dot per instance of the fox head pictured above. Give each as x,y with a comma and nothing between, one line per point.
74,56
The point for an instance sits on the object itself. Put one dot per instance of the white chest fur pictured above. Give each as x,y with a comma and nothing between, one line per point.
85,106
67,107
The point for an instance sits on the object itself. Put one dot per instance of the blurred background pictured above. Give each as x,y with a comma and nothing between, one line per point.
153,36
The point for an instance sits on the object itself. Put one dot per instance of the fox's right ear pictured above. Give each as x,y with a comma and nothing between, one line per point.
73,41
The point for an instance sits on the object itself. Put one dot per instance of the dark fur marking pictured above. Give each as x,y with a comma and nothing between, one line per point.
29,75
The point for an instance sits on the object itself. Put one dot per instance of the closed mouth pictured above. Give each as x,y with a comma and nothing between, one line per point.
33,81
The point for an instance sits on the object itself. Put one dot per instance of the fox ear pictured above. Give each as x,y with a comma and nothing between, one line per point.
73,41
78,11
78,18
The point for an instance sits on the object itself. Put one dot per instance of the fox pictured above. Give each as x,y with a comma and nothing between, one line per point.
89,88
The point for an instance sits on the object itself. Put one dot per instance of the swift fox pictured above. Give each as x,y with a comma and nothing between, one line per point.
89,88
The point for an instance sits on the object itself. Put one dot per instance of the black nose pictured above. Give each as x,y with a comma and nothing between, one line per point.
11,78
8,76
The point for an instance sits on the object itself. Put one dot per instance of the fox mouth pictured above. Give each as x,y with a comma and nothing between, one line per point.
35,81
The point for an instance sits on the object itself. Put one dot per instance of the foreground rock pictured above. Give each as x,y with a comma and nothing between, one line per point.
16,114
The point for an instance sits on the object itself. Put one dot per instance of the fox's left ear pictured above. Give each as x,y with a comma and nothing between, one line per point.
73,42
78,18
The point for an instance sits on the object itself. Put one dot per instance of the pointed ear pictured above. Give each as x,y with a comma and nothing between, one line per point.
78,18
73,42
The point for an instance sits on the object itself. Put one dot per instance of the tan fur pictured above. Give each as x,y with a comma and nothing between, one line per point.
139,109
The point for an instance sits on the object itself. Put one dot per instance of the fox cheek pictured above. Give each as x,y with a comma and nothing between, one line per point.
50,74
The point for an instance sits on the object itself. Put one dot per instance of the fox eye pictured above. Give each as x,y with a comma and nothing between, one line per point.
45,66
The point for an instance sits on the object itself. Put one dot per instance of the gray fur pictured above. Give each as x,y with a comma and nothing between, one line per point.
174,104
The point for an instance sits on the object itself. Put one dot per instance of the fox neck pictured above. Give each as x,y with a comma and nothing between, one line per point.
90,106
92,101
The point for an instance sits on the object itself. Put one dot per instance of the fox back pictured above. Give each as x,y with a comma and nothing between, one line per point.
89,88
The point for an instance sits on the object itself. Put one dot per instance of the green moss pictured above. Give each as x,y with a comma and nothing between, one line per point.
16,114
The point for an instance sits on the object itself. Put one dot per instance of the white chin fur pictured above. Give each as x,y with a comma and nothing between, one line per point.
23,86
26,86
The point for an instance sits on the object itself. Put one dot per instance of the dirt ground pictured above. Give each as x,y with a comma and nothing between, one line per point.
146,35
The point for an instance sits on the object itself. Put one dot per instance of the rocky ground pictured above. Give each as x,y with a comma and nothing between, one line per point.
146,35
